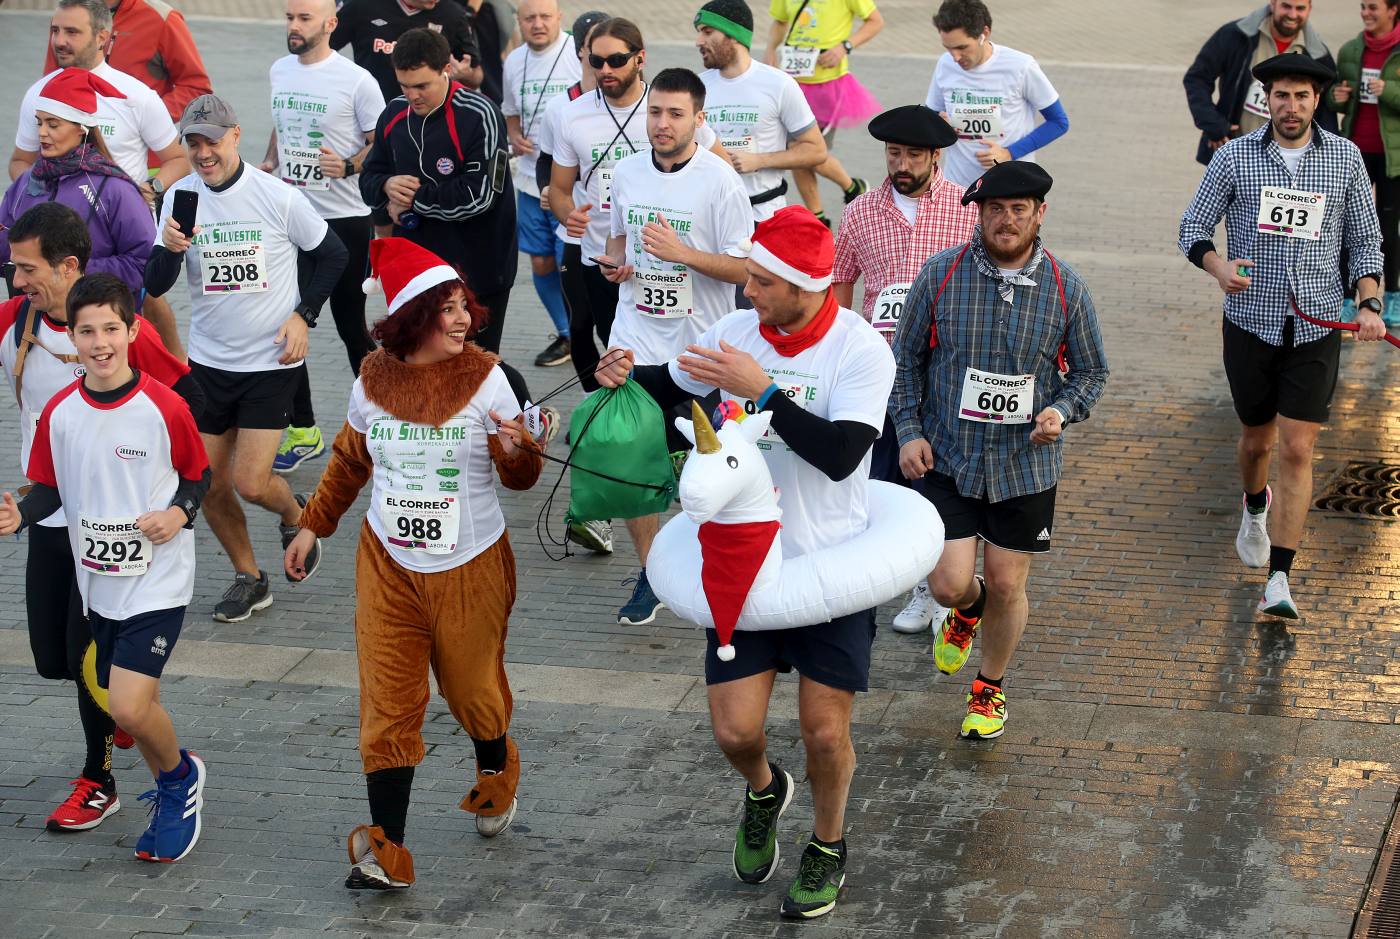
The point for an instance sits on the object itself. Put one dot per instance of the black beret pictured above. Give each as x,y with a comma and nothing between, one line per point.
1014,179
1293,65
913,125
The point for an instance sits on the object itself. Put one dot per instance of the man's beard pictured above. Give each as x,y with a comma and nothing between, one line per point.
1294,135
299,45
623,86
678,148
1282,31
998,257
905,186
717,58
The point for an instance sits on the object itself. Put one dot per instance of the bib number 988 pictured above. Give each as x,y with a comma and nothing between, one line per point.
420,528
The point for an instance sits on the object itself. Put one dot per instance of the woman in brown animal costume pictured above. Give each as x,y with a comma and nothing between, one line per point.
430,416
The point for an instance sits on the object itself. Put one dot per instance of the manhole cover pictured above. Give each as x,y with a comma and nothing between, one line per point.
1368,489
1379,917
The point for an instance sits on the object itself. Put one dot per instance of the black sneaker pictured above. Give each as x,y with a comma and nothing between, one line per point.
243,597
820,874
288,532
756,844
858,188
556,353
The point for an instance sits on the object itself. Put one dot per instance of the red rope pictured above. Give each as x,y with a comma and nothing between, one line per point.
1350,327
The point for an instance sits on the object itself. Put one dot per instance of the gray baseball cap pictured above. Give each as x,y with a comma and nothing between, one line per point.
209,116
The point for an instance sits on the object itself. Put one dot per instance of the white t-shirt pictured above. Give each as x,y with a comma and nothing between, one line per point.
759,111
704,202
532,80
242,267
1292,156
846,376
332,103
130,126
112,463
994,103
592,135
549,129
424,474
908,207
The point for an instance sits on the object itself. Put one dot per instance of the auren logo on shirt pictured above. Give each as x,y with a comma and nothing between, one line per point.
131,453
213,235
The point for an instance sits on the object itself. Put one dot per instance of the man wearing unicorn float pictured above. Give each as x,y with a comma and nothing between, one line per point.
824,375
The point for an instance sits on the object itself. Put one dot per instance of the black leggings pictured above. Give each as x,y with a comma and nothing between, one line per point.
59,636
489,338
592,303
1388,211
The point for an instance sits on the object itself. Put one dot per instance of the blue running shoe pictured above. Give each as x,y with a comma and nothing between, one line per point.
146,844
641,608
1391,314
178,804
299,444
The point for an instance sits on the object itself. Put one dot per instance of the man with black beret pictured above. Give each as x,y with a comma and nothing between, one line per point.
885,237
997,352
1294,197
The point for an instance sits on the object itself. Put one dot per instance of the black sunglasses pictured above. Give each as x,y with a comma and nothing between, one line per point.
616,60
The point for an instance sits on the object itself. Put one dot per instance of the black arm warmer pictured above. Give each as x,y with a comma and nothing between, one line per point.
41,502
162,270
192,391
194,490
544,166
834,447
328,260
656,381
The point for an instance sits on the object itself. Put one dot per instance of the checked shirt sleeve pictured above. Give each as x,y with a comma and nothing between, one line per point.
1088,366
1361,231
1207,209
911,355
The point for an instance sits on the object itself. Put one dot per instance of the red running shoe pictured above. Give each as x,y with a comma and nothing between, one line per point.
90,803
121,739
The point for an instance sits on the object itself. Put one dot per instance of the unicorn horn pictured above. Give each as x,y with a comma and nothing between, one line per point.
705,439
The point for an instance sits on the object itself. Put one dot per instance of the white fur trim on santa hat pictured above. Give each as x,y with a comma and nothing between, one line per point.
769,261
422,282
65,111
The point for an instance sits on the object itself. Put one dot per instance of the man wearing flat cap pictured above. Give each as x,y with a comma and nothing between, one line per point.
886,236
1294,197
997,352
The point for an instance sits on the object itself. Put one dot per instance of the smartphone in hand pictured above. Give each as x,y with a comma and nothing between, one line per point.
604,262
184,209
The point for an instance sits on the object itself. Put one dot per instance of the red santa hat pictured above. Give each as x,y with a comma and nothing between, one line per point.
72,95
403,270
794,244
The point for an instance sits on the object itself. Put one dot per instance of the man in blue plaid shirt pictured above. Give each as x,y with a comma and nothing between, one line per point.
981,400
1293,197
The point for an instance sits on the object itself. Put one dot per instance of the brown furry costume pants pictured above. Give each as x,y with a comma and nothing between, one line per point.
453,621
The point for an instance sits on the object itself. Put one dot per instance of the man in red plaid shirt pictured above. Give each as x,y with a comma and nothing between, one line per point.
886,236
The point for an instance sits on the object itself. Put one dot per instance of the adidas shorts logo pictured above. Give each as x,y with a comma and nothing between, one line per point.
1044,535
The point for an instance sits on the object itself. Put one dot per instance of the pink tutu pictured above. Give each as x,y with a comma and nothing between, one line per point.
841,102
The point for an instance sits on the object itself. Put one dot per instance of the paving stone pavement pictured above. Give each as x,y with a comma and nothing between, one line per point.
1174,767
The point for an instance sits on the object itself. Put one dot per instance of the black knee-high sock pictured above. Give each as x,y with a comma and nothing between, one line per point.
97,737
389,791
491,754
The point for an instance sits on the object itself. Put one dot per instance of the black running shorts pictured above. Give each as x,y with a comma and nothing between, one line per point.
835,654
1293,381
1021,523
246,400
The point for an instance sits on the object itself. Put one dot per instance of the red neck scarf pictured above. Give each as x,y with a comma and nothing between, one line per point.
1382,43
790,344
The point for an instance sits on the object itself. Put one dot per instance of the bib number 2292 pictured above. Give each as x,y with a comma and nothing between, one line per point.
113,547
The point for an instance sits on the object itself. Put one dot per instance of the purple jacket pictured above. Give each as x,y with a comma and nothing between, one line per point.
118,220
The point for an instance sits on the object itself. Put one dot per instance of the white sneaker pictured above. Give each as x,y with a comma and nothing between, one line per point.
1278,599
1252,543
596,536
489,826
921,612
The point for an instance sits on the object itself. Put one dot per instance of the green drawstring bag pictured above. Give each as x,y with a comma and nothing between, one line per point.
619,465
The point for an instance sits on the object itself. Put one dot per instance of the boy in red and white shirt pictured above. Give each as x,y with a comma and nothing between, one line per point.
121,450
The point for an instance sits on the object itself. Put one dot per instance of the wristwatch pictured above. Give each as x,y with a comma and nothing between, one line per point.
188,507
350,168
307,314
157,186
1372,304
848,47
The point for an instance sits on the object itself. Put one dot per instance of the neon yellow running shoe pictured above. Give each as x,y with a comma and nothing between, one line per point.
299,444
953,642
986,712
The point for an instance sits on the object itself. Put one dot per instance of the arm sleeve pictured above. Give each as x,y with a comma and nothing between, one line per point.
521,469
27,133
544,165
836,448
846,268
1361,232
350,467
1055,126
328,260
934,99
41,468
1207,208
733,218
793,110
193,490
563,149
162,270
510,94
186,446
157,129
188,77
41,502
1088,366
378,167
1199,82
911,356
658,381
469,193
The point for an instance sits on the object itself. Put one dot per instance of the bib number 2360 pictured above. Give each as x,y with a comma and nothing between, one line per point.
113,547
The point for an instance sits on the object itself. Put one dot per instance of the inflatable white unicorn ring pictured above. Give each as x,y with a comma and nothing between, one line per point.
729,530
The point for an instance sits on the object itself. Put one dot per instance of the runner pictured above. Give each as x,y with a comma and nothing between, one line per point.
760,114
50,248
1364,64
680,217
812,40
981,411
371,28
1224,62
825,376
324,108
535,74
990,94
886,237
1293,197
248,327
134,129
435,570
118,454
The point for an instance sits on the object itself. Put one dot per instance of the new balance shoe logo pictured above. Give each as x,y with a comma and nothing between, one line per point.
1044,535
99,800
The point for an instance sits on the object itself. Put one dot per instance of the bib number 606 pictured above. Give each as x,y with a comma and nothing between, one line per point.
998,403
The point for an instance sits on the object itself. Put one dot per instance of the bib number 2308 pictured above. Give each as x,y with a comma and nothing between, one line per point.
990,398
233,269
113,547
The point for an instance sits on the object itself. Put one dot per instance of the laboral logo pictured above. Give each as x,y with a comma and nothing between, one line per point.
131,453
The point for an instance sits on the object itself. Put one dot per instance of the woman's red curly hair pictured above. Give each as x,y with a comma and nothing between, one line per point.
413,324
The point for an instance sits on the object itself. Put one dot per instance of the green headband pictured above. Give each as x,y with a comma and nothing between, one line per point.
727,26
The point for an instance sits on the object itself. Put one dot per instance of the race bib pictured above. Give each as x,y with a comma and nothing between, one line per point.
1255,101
662,294
990,398
798,61
888,308
301,166
1292,213
798,393
738,144
605,189
1366,75
418,522
977,121
233,268
113,547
